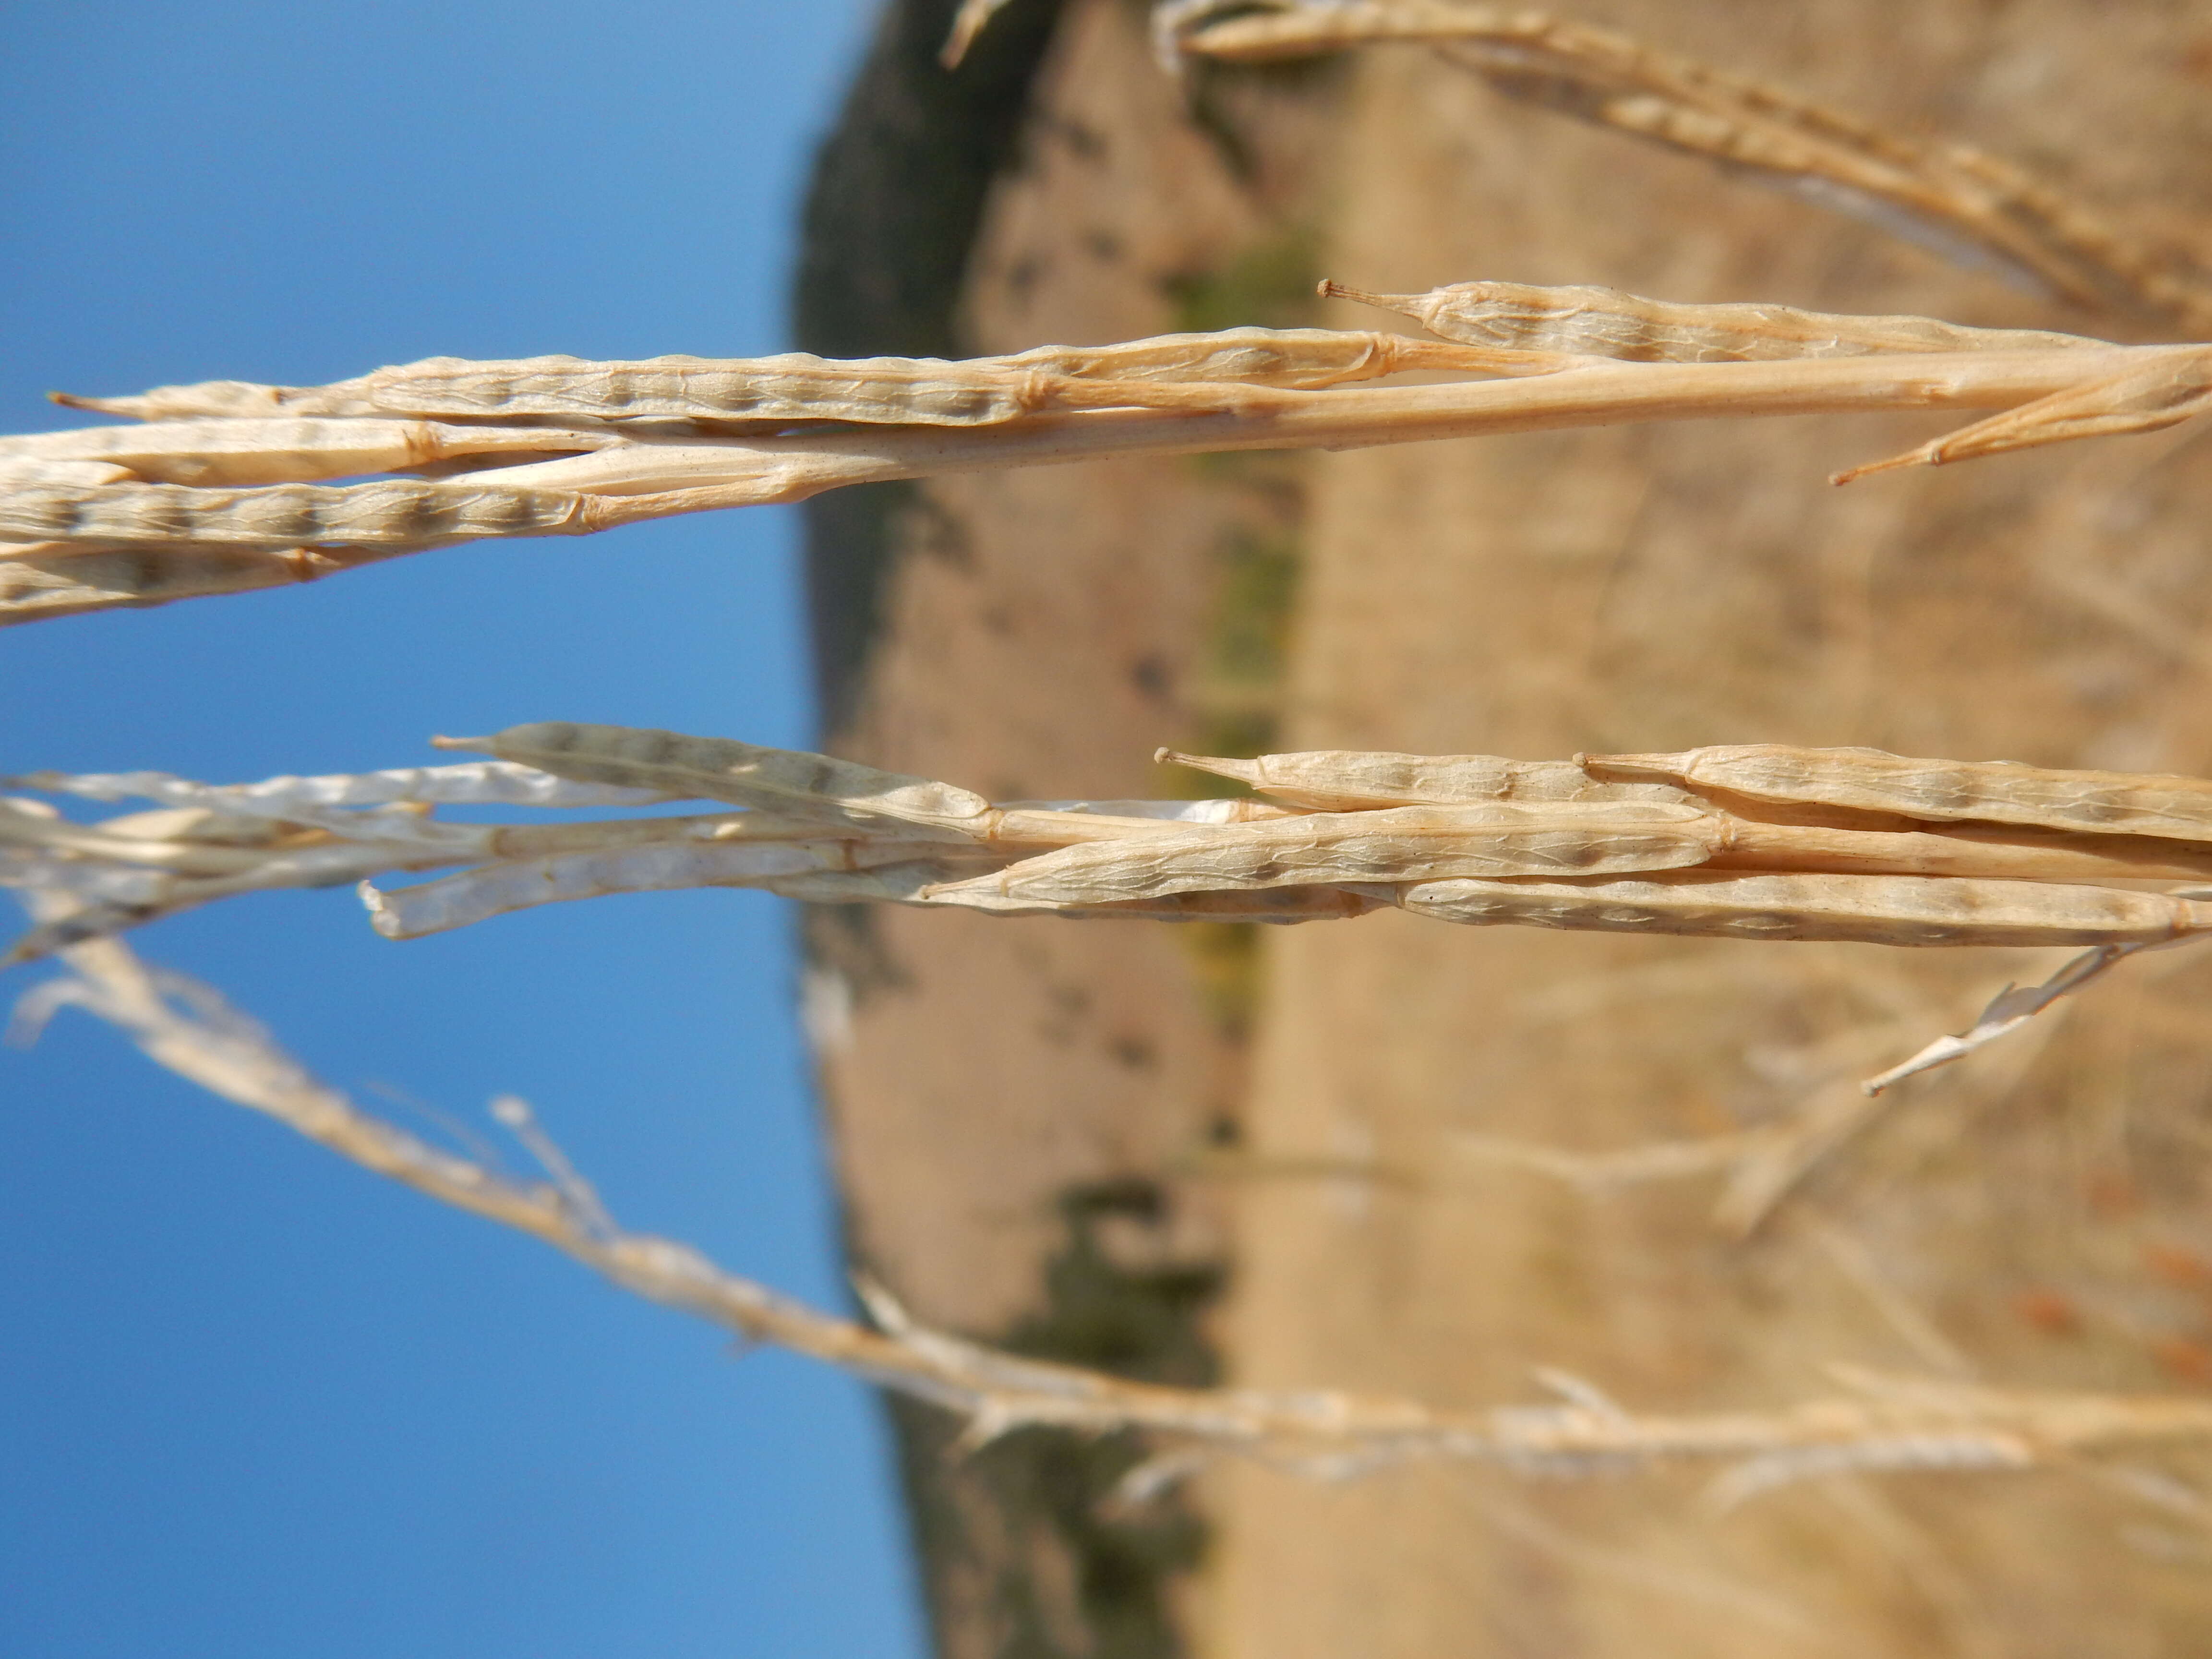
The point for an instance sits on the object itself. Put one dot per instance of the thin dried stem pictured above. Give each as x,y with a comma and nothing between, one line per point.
1878,1422
2011,1008
1761,1166
1960,201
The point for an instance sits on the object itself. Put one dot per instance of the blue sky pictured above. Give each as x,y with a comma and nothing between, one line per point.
252,1401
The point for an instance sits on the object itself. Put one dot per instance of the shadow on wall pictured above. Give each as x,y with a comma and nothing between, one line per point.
897,194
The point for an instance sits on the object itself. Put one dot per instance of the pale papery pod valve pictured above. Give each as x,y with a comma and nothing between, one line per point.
723,769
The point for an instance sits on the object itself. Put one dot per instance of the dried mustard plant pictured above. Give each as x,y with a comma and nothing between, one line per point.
1761,843
218,491
1960,200
1875,1421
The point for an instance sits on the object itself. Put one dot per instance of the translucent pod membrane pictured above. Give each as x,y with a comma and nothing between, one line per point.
1906,910
1992,792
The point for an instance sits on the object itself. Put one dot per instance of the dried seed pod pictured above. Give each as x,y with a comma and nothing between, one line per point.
1275,906
1333,780
658,478
1604,322
891,884
241,452
530,841
1406,843
1992,792
1976,850
1297,359
389,516
1271,906
218,399
1903,910
801,387
722,769
765,391
17,470
473,896
796,386
471,783
67,579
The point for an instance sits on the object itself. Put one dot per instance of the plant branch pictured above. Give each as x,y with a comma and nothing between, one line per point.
220,491
1877,1422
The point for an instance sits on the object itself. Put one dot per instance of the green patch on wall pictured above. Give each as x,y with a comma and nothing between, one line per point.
1022,1539
1236,692
1269,285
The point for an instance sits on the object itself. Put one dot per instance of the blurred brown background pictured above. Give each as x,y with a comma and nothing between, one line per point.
1289,1160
